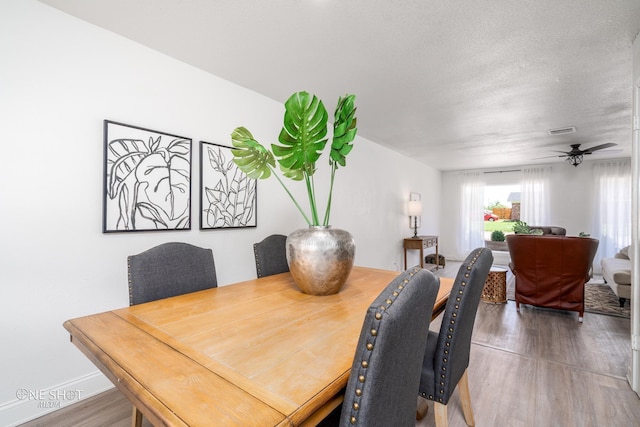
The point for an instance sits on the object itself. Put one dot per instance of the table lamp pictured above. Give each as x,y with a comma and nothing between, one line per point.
415,209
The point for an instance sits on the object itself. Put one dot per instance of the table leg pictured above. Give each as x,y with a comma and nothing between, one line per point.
405,258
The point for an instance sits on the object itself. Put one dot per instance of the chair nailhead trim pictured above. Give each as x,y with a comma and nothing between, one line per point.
454,315
129,280
364,364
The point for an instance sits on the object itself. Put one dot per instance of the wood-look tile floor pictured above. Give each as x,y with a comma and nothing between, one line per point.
536,368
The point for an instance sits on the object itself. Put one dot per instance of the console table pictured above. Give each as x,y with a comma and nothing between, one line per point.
421,243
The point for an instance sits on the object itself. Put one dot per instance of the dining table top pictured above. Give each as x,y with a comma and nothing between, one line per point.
258,352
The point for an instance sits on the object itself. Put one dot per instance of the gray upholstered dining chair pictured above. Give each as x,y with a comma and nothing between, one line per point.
270,255
447,353
385,374
168,270
165,271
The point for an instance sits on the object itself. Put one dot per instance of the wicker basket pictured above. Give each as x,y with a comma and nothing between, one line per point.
431,259
495,288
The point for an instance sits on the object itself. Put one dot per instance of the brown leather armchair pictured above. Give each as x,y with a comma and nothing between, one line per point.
551,270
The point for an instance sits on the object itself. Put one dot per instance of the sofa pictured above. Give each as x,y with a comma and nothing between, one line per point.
550,230
501,252
550,270
616,272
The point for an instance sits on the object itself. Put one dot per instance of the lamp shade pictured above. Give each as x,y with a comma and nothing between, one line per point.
415,207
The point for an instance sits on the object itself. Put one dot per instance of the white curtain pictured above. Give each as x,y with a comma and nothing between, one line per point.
612,197
534,196
470,233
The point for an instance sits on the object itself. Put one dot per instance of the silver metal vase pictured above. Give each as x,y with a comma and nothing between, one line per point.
320,259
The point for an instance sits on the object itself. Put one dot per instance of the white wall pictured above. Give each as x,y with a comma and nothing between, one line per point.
60,78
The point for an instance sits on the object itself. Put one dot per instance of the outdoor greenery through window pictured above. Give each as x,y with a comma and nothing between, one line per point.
501,209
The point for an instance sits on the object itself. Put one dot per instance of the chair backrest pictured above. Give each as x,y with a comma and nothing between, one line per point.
550,260
271,255
168,270
551,271
385,374
451,356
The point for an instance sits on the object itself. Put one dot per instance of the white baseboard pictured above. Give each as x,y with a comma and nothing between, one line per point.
32,404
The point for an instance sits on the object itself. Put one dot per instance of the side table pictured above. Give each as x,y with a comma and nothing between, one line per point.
421,243
495,287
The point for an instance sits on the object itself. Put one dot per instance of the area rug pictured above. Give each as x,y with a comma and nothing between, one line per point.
598,298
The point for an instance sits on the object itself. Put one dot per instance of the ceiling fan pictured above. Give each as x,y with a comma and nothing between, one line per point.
574,157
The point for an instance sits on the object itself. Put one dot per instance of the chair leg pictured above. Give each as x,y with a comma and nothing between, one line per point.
136,418
422,408
440,412
465,398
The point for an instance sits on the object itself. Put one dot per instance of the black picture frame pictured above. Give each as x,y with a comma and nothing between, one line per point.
147,180
228,197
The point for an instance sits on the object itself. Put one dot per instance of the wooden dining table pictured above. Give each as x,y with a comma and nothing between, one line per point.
255,353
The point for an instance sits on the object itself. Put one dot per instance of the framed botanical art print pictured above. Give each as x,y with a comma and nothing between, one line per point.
147,179
228,197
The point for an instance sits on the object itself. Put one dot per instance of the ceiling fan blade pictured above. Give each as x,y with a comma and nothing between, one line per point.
550,157
617,150
599,147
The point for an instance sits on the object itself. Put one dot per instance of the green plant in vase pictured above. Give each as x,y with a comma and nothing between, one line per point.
320,258
521,227
302,139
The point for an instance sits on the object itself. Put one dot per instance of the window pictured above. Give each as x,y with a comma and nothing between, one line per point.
612,210
501,208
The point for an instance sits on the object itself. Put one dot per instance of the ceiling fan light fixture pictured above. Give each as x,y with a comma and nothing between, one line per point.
574,160
562,131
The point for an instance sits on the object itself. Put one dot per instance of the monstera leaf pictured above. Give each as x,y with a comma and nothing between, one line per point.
302,140
344,129
302,136
251,157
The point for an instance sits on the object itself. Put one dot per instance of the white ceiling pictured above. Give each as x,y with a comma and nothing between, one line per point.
455,84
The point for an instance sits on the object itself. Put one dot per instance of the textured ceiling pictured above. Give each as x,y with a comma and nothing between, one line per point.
453,84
